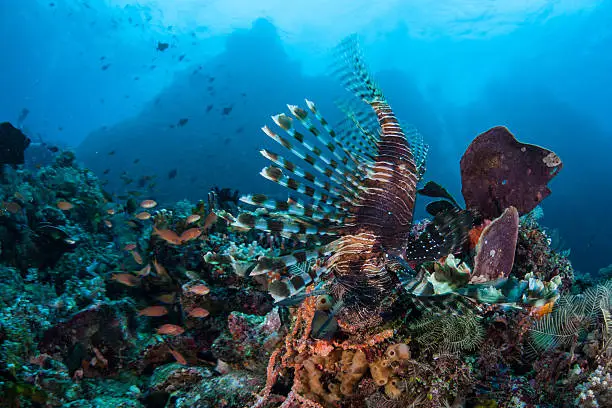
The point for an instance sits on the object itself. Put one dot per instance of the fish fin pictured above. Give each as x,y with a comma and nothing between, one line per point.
352,71
446,234
299,298
332,315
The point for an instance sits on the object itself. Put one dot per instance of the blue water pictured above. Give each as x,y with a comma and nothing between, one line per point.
93,79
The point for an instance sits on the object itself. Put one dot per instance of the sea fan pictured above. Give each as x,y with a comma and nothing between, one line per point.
573,317
448,333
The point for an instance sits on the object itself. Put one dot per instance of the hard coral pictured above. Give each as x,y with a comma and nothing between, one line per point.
498,171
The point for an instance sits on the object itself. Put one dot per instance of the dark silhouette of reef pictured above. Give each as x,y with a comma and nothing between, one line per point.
13,144
226,101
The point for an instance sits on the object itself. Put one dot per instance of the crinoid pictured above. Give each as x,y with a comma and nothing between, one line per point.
573,317
448,333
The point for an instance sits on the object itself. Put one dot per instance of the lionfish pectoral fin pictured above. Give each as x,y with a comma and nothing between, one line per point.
299,298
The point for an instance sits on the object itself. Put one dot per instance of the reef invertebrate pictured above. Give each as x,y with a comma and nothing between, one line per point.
498,171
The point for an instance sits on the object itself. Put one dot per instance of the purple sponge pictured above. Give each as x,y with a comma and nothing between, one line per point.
498,171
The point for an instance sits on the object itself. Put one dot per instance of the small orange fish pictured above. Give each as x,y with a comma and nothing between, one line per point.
199,290
178,357
129,247
170,329
167,298
11,207
110,211
192,218
153,311
144,271
132,224
191,233
137,257
199,312
148,204
159,269
541,311
64,205
143,215
108,223
126,279
19,196
210,220
168,235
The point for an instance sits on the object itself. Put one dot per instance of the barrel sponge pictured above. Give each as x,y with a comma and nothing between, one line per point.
380,372
398,352
496,247
353,366
392,388
498,171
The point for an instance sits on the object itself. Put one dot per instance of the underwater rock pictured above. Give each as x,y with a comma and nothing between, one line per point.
496,247
234,389
248,339
105,402
498,171
13,144
173,377
95,339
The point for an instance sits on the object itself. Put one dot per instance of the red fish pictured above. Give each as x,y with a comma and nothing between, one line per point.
154,311
148,204
178,357
191,233
126,279
170,330
199,290
167,235
199,312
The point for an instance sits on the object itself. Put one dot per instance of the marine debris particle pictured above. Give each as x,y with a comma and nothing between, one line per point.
496,247
162,46
498,171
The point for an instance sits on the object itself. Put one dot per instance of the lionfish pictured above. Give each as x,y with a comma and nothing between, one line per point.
355,192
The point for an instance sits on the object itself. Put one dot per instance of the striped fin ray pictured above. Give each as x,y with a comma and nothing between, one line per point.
302,116
331,185
442,305
419,149
353,183
360,119
276,175
286,123
301,210
247,221
353,72
347,149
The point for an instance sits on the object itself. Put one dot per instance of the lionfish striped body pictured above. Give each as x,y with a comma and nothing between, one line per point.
358,186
